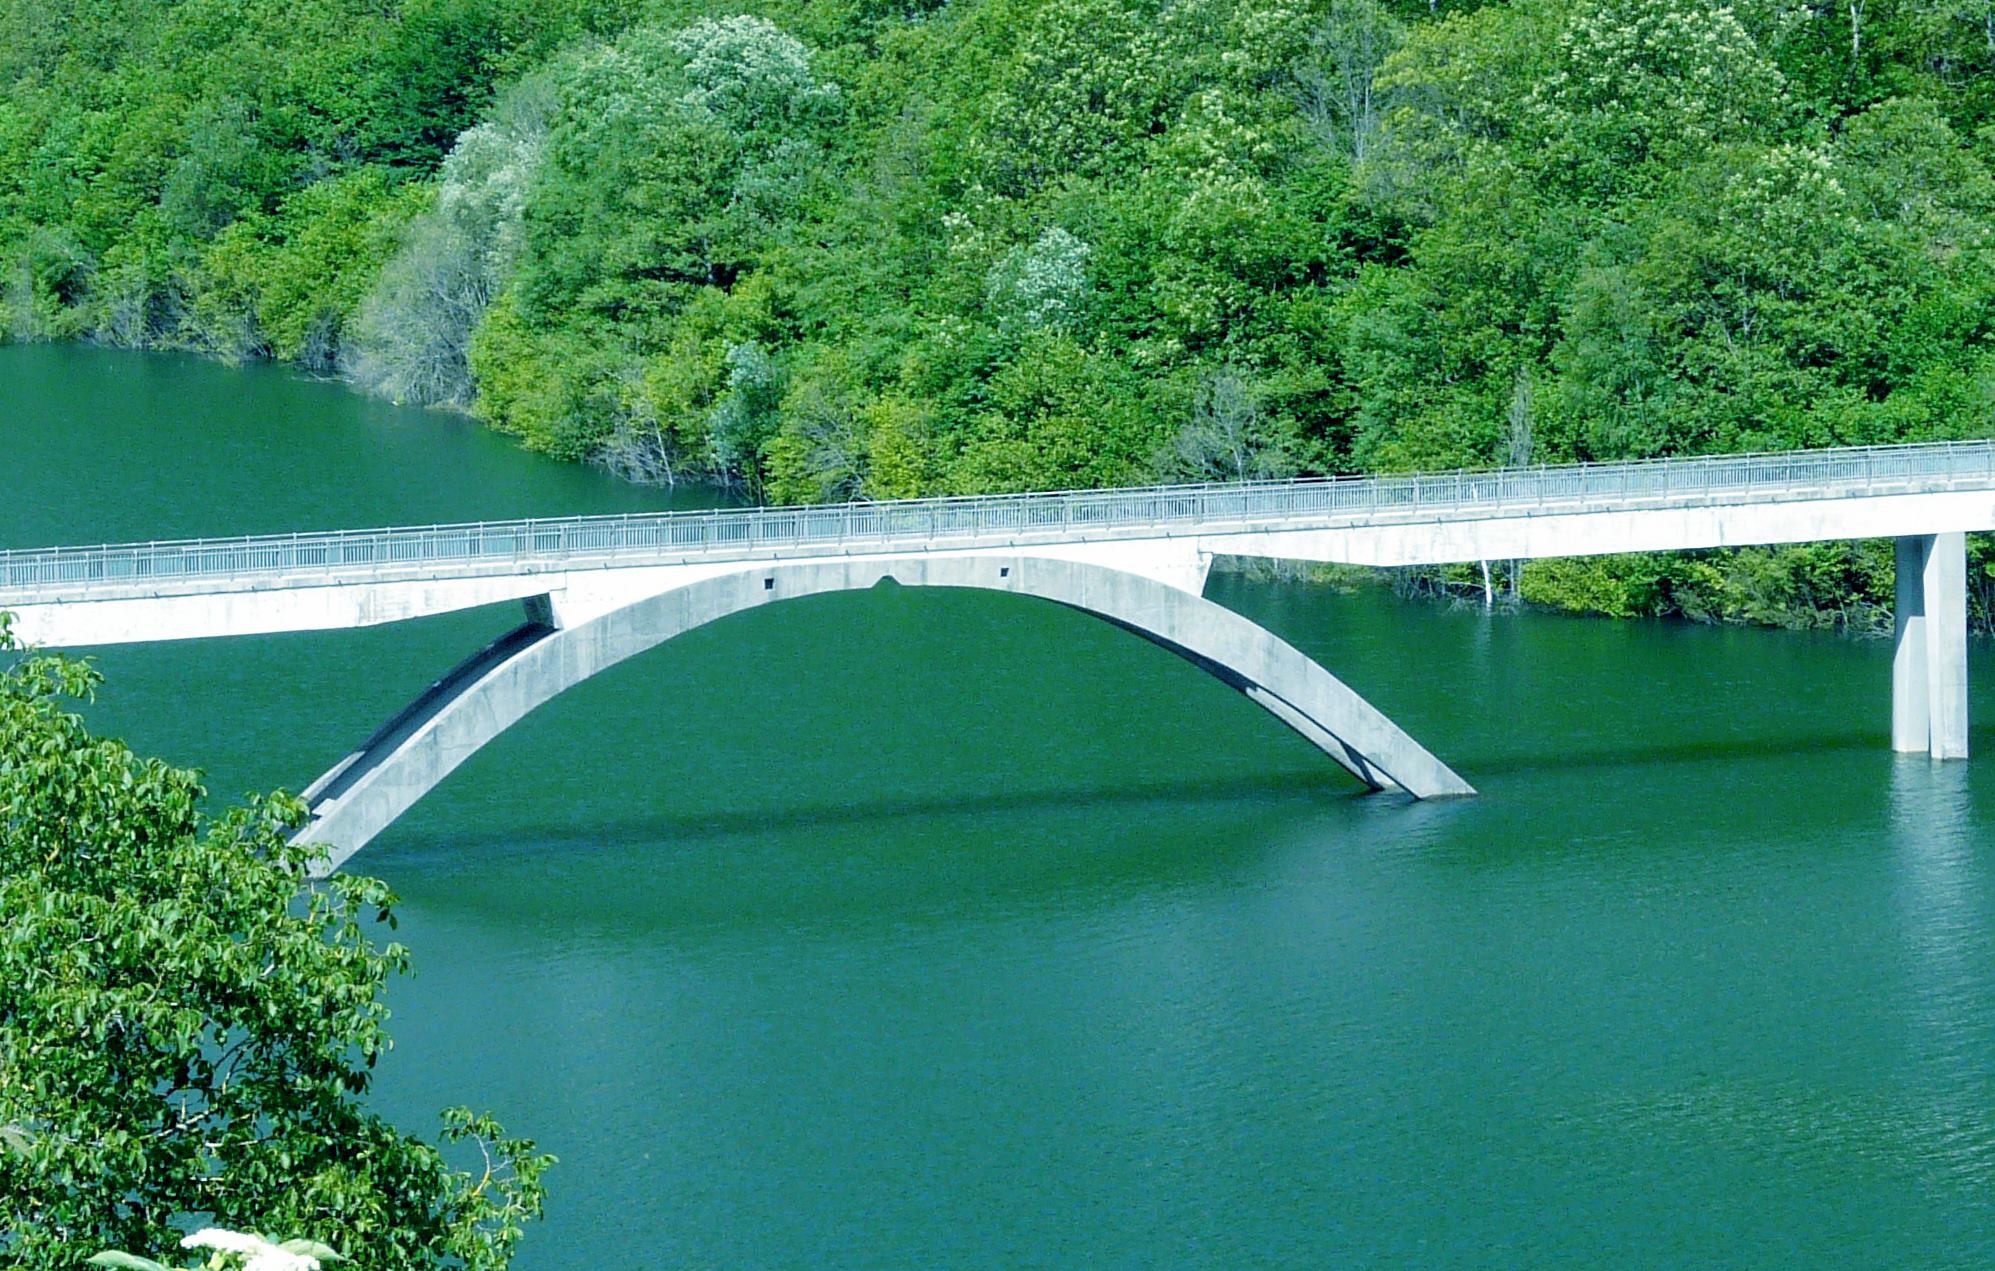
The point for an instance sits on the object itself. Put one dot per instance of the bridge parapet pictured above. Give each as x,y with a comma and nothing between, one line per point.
40,576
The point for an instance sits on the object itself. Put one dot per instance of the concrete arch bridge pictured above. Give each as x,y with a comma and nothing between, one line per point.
598,590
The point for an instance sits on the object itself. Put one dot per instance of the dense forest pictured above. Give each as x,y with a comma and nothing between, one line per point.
877,248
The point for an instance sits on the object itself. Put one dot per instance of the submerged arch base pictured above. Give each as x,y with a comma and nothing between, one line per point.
495,687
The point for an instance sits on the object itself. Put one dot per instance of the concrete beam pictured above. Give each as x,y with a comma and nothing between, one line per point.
575,595
1552,533
136,619
118,613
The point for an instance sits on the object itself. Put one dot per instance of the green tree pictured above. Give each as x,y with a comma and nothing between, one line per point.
413,332
897,246
187,1027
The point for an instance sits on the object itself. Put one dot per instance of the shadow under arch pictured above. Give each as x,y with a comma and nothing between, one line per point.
532,664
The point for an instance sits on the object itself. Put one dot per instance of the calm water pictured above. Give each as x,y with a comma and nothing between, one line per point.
923,930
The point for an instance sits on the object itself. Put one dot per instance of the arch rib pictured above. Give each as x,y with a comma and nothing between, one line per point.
536,662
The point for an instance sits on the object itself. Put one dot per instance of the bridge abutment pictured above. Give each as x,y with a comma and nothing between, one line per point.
1929,653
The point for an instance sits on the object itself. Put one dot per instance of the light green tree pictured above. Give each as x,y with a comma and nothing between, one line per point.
413,334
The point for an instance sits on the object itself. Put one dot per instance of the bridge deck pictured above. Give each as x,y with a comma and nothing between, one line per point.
44,575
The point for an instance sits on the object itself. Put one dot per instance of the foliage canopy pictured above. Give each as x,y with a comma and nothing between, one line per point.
829,250
187,1028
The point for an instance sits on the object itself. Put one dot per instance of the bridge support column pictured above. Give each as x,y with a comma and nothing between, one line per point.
1929,657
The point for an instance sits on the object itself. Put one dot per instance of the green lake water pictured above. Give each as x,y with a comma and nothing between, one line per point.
909,929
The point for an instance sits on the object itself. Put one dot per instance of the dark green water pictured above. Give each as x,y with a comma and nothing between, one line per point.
925,930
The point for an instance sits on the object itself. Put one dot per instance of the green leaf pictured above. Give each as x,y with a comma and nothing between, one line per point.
189,940
126,1261
312,1249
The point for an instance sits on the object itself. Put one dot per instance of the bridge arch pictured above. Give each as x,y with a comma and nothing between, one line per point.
530,665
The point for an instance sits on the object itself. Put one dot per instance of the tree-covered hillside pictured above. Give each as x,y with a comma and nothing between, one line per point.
872,248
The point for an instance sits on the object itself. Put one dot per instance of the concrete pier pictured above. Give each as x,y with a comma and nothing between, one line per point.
1929,654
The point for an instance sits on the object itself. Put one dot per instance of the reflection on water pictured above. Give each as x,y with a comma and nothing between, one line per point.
938,929
1944,913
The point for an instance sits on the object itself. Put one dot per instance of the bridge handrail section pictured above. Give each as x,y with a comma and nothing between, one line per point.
49,573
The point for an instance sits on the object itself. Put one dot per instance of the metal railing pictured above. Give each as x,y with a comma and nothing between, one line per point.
45,574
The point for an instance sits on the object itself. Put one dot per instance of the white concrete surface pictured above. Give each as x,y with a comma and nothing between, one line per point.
497,687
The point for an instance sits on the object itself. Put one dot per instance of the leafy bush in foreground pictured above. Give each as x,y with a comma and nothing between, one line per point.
188,1027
